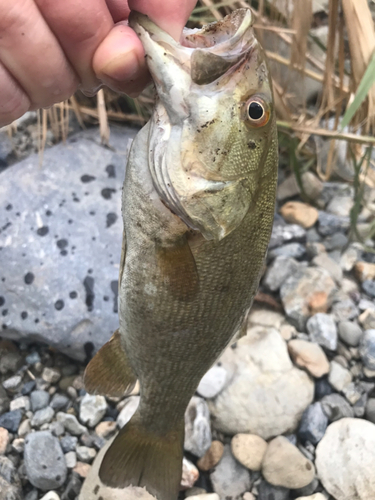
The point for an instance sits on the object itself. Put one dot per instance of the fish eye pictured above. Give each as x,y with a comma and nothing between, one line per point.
257,112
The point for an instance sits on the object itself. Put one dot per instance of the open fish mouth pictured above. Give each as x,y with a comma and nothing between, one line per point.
205,53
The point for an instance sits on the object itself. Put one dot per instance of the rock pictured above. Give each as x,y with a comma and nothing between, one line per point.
190,474
68,443
337,241
56,428
266,395
211,457
10,486
313,424
295,212
212,382
105,429
366,349
301,289
24,428
13,384
284,233
43,416
364,271
73,488
291,250
4,440
70,423
249,450
368,286
284,465
82,469
261,316
59,401
131,404
20,403
370,410
350,333
51,495
325,262
336,407
310,356
267,491
340,205
197,427
280,269
11,420
322,388
64,232
329,224
39,400
349,258
85,454
323,331
4,401
92,409
345,459
316,496
367,319
204,496
51,375
10,358
230,479
44,461
339,377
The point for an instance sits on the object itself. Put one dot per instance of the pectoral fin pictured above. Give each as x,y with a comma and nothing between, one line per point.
178,269
109,372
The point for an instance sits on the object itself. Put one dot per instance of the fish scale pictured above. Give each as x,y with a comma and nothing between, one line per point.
197,222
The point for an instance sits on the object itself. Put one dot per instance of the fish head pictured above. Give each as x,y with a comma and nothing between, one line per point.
213,125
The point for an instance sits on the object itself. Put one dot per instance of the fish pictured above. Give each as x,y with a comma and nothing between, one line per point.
198,206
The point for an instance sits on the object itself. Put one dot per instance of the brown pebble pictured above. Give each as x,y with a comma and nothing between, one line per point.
212,456
4,440
82,469
364,271
105,429
296,212
318,302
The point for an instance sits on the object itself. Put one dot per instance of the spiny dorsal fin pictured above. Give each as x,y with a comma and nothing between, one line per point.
109,372
140,458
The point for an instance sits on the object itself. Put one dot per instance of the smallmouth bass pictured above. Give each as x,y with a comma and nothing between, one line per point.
198,206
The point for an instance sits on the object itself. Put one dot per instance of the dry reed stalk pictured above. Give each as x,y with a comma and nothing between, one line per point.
301,24
103,118
361,33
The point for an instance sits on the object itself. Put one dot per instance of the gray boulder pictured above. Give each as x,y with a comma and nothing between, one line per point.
60,235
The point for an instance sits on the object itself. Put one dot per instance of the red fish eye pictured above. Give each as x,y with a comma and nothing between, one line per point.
258,112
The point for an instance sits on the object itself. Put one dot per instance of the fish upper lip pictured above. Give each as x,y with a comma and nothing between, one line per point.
234,27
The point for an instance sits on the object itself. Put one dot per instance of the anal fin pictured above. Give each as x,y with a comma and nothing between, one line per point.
109,372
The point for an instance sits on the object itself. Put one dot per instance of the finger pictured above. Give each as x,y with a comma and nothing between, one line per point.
119,61
31,54
13,100
170,15
119,9
80,27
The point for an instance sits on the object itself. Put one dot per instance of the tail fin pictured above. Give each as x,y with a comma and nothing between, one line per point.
139,458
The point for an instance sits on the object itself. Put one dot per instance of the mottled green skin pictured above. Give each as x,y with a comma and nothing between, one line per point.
172,342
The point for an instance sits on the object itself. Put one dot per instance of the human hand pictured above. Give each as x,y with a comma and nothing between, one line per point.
49,48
